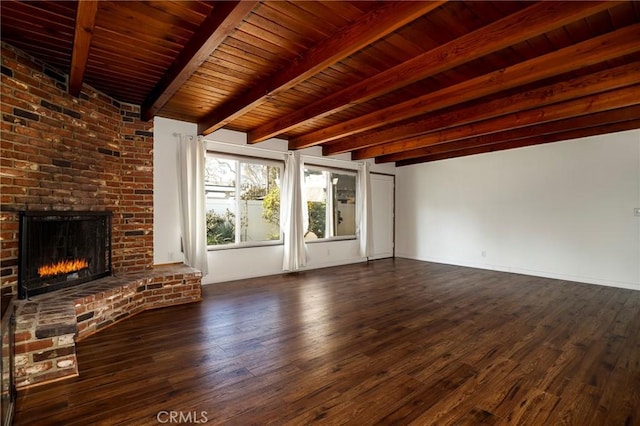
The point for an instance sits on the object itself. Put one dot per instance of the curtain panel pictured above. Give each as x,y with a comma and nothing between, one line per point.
292,213
191,192
363,210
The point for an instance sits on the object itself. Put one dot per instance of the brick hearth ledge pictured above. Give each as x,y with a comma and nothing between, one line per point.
49,325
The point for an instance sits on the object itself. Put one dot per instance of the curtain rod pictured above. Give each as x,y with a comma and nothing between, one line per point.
234,145
333,159
176,134
273,151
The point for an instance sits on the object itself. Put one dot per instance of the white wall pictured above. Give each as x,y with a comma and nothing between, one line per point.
237,263
562,210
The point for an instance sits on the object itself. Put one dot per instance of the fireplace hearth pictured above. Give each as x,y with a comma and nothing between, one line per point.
62,249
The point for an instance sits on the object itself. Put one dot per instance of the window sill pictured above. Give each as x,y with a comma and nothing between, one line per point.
331,239
244,245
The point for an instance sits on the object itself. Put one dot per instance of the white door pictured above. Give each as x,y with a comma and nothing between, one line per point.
382,204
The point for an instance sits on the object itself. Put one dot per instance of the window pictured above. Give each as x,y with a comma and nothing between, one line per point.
331,203
243,200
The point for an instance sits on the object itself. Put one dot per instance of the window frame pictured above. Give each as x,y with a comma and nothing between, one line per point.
340,170
242,158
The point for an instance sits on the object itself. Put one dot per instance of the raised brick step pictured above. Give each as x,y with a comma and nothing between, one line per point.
49,325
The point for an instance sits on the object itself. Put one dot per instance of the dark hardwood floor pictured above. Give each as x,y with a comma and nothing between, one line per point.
389,342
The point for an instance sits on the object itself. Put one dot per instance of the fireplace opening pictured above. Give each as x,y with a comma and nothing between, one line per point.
62,249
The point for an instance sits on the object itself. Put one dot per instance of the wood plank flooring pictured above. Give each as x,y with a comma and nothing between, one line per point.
388,342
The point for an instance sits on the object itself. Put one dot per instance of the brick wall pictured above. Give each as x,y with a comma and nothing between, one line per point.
64,153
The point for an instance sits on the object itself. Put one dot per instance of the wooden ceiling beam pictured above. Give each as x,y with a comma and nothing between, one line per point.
535,140
618,98
221,22
85,23
570,124
515,28
581,86
598,49
371,27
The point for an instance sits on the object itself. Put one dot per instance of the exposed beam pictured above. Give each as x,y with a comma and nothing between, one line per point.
581,86
515,28
611,45
575,123
613,99
85,23
535,140
371,27
221,22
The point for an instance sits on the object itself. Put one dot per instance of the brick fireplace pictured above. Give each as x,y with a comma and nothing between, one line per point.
61,153
62,249
85,154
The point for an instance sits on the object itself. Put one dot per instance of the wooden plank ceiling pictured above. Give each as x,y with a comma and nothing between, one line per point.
404,82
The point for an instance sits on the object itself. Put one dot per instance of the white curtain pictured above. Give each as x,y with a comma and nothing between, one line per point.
365,222
292,214
191,191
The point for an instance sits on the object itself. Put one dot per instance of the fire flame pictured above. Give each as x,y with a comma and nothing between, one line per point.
62,267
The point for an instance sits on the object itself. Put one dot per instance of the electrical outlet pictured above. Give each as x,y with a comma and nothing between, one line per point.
483,254
636,211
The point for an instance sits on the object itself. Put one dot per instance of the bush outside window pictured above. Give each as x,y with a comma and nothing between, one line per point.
242,201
